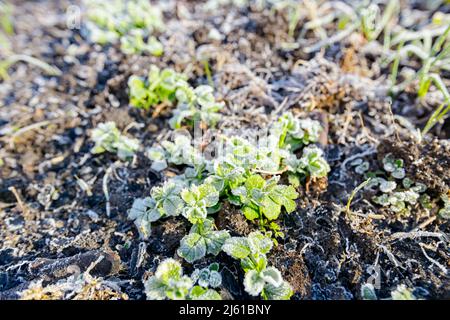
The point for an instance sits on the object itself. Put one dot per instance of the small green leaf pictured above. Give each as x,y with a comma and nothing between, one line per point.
215,240
281,292
253,283
250,213
199,293
192,247
258,243
237,247
272,276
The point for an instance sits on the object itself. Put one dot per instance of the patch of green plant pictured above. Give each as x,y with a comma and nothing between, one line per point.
198,200
244,173
367,18
235,174
198,106
399,193
165,201
108,138
295,132
260,279
312,163
263,199
181,152
202,238
206,279
434,58
168,282
132,23
193,105
160,86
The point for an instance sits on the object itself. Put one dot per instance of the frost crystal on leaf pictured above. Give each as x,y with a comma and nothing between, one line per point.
108,138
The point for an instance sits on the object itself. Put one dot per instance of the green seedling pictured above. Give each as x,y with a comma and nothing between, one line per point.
165,201
260,279
108,138
398,193
132,23
159,87
311,164
200,106
296,132
206,278
202,239
263,199
170,283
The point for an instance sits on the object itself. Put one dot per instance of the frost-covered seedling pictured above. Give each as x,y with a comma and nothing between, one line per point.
398,201
131,23
208,277
360,166
259,279
202,239
168,282
394,166
226,177
263,199
134,43
108,138
445,211
159,86
241,153
198,199
181,151
402,293
158,157
143,213
165,201
399,196
296,132
312,163
201,107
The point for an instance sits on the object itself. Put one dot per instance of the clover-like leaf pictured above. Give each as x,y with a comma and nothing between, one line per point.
198,199
108,138
312,163
168,282
192,247
206,241
215,240
281,292
259,243
168,198
253,283
237,247
200,293
272,276
144,212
